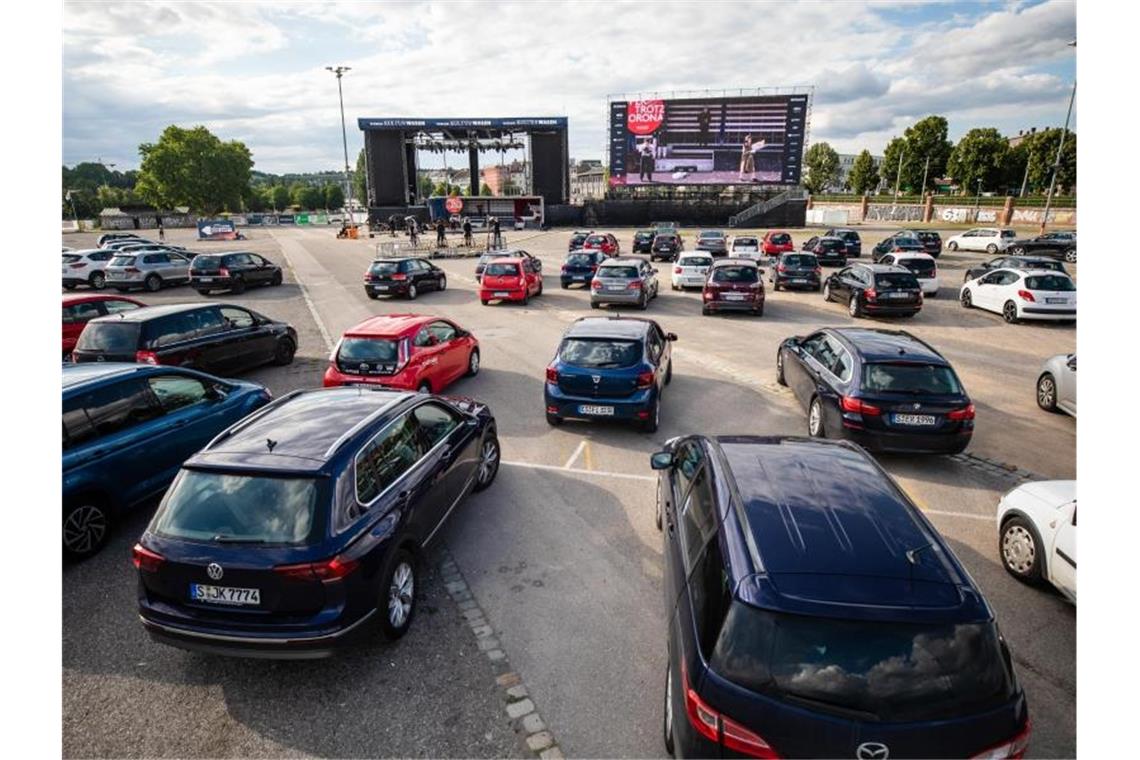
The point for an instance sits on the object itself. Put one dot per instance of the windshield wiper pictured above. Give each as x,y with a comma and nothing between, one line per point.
237,540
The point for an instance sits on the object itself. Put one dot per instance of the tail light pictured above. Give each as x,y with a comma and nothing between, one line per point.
522,282
719,729
934,273
400,277
1014,748
146,357
368,277
223,272
852,404
551,375
79,265
677,270
596,284
402,354
818,270
1025,295
565,268
781,268
645,380
709,294
965,413
327,570
635,285
870,294
146,560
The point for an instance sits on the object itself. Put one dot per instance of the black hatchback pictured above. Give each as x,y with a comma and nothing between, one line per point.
830,251
851,240
403,277
875,290
232,271
666,246
883,389
796,270
812,610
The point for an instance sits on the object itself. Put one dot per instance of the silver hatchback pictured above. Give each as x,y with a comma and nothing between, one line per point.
148,271
623,280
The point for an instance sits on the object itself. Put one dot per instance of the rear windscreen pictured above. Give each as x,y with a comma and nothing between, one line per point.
596,240
356,351
1049,282
384,267
623,272
578,239
744,241
895,281
600,352
832,245
122,261
666,239
921,267
207,263
1008,234
736,274
909,378
502,270
109,337
931,237
643,235
580,260
696,261
780,239
802,260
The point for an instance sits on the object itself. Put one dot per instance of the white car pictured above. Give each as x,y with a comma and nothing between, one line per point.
746,246
86,268
1017,294
988,239
1057,384
921,265
691,270
1037,534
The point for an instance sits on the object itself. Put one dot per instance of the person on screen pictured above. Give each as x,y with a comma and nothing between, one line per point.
703,119
747,161
646,168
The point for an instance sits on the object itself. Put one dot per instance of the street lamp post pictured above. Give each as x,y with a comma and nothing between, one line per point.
978,201
1060,147
898,174
339,72
925,171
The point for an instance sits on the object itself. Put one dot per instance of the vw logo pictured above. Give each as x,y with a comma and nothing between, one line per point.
214,570
596,378
100,358
917,405
872,751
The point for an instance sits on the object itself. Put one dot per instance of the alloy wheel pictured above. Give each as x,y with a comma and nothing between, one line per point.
473,364
1046,392
412,292
98,280
1018,549
488,461
815,419
1009,312
84,529
967,299
400,594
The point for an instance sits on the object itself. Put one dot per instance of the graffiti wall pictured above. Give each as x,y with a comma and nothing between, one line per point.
889,212
1059,216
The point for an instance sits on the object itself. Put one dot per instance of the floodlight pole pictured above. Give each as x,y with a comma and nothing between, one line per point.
1060,147
339,72
898,174
925,171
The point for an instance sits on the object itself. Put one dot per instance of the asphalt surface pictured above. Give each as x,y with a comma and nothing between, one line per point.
561,553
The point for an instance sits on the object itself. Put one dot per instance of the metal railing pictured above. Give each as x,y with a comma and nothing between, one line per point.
755,210
427,247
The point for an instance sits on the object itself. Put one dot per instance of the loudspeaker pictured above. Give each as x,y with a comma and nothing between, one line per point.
549,157
387,168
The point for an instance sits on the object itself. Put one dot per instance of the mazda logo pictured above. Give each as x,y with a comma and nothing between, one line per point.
872,751
214,570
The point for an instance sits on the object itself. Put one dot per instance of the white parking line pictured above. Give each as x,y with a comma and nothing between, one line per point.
573,457
576,471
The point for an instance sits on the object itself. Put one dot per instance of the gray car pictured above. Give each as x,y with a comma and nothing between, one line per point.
624,280
1057,384
148,271
713,241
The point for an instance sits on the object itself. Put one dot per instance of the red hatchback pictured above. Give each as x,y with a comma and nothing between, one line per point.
604,242
79,310
733,284
406,351
777,242
509,279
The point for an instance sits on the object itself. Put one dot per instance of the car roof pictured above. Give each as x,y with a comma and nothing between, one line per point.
307,429
623,260
397,259
608,327
831,237
735,261
712,232
389,325
152,312
76,375
881,268
505,260
74,298
910,255
1032,272
874,344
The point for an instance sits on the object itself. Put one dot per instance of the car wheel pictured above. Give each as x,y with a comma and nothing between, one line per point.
816,427
86,527
539,291
1020,550
1047,392
412,292
473,363
398,595
759,311
565,286
952,246
276,280
489,456
373,296
526,298
553,419
238,286
705,311
153,283
1009,312
967,300
991,249
644,303
284,353
674,286
667,723
780,368
669,372
827,291
442,283
650,425
424,387
593,305
98,280
484,301
1071,257
69,287
1017,250
853,307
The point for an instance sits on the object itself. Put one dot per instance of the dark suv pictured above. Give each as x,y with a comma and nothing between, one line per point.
814,611
850,239
667,246
875,290
884,389
300,527
232,271
931,241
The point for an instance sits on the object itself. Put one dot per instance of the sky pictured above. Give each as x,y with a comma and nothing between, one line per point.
255,71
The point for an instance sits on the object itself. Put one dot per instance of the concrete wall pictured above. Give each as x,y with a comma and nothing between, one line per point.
943,210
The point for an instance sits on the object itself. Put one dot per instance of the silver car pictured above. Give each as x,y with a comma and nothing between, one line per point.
1057,384
149,271
624,280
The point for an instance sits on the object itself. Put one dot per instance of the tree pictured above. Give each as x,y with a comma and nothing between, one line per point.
822,163
926,139
425,186
279,197
485,189
981,154
1041,148
192,167
441,188
360,180
334,196
311,197
864,177
889,169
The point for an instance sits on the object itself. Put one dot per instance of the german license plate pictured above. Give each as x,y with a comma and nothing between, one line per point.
229,595
798,281
734,296
382,287
897,296
206,279
596,411
914,419
579,277
501,294
1056,300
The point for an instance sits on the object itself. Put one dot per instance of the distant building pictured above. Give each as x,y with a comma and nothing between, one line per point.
1021,135
587,182
498,177
846,161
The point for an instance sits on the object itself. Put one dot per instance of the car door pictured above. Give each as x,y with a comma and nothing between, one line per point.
194,411
531,276
841,284
1067,386
425,359
986,291
799,373
393,471
247,343
809,244
420,273
453,452
1063,559
452,357
177,268
688,465
75,318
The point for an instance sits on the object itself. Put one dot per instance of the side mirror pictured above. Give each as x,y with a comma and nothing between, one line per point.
670,336
1072,363
214,393
662,460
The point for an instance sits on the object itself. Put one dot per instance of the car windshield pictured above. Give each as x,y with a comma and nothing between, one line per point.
891,671
1049,282
802,260
109,337
580,260
921,267
909,377
215,506
600,352
781,239
367,350
696,261
735,274
384,267
121,261
623,272
502,270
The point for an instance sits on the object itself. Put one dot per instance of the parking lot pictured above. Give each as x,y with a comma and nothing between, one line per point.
561,553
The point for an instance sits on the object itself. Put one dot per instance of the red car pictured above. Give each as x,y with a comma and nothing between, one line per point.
80,309
507,279
604,242
733,284
777,242
405,351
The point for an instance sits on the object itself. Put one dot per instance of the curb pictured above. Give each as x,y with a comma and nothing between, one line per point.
994,467
519,705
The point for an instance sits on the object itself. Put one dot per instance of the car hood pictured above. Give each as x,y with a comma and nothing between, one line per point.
1052,493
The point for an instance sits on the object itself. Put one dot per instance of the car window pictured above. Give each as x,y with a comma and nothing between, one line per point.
735,273
686,461
77,426
698,517
1008,278
443,331
1049,282
209,321
386,458
115,306
120,406
435,422
177,391
80,312
502,270
840,365
711,595
236,317
909,377
170,329
627,272
423,338
895,280
994,278
655,344
600,352
811,346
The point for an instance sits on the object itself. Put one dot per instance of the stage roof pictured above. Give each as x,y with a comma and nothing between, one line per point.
507,123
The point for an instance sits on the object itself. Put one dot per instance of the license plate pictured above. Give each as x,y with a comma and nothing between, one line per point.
798,281
897,296
734,296
579,277
597,411
382,287
1056,300
914,419
501,294
229,595
205,279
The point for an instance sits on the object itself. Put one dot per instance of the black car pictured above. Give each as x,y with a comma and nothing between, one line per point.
403,277
851,240
643,241
667,246
218,338
1014,262
883,389
108,237
1055,245
875,290
931,241
829,251
896,243
578,239
579,266
812,610
232,271
796,270
303,527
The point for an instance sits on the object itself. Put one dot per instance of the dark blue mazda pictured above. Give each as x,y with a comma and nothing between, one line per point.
299,528
813,611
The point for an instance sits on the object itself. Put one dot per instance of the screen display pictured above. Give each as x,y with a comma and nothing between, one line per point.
754,139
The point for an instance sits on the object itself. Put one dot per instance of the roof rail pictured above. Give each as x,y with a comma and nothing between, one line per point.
339,442
252,418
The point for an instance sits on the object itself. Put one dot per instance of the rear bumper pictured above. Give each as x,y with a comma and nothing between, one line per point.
910,443
1037,312
495,295
213,283
887,310
832,261
632,296
570,278
386,288
810,281
287,646
734,305
626,408
689,281
404,381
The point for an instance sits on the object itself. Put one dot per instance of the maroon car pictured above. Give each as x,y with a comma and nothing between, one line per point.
733,284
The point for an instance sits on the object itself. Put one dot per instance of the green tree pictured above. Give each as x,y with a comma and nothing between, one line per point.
334,196
360,180
925,139
864,177
255,200
441,188
485,189
311,198
425,186
192,167
822,163
1041,150
280,197
889,168
981,154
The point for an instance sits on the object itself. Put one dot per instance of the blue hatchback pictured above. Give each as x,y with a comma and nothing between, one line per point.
813,611
127,428
612,368
299,528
